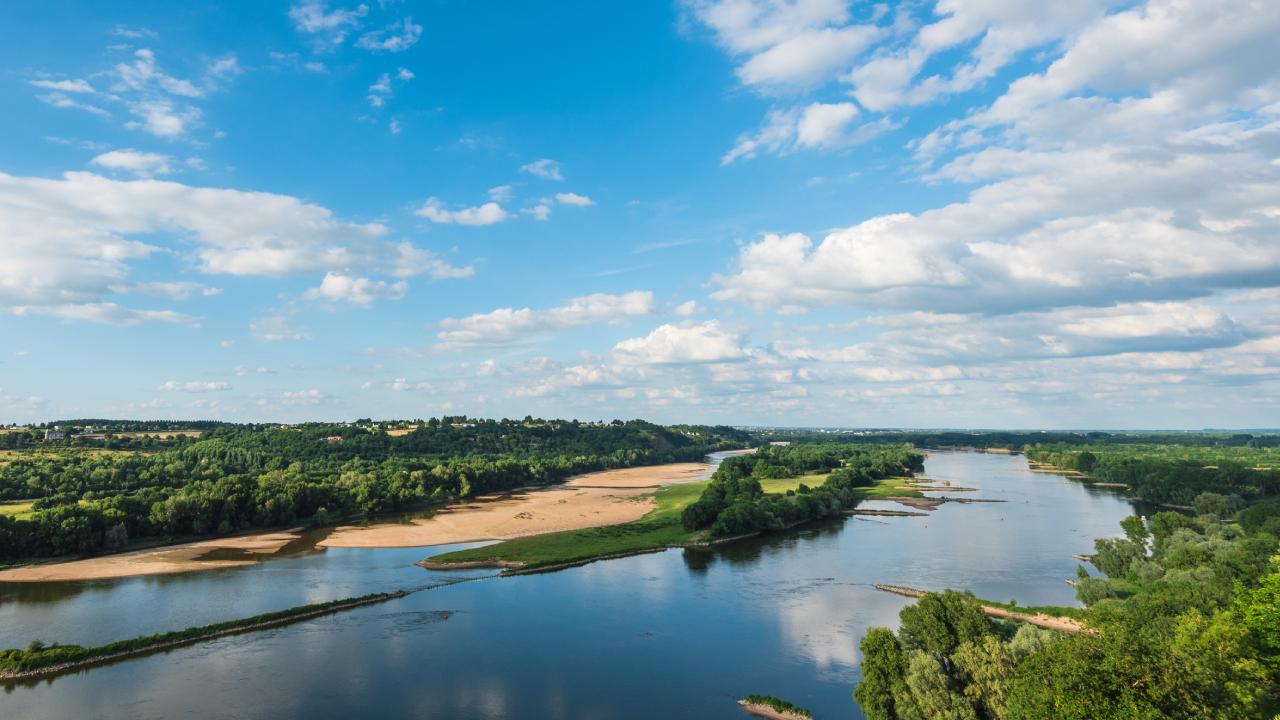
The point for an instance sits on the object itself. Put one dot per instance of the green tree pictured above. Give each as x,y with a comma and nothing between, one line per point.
884,669
984,667
939,622
935,692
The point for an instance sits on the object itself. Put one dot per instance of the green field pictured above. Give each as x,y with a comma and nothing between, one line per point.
17,510
659,528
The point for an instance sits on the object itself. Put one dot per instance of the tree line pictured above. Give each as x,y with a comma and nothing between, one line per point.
1171,474
243,477
1185,620
734,502
1016,439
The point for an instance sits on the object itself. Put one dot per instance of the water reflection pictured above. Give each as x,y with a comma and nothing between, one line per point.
675,634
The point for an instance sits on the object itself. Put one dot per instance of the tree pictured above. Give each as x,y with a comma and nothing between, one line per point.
1113,556
1135,529
984,667
884,669
1216,505
934,692
1086,461
1259,611
939,622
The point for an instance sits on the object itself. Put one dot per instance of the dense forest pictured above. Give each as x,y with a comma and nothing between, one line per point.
735,504
1184,623
1017,439
88,496
1172,474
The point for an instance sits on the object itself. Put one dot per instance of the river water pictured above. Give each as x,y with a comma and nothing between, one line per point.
676,634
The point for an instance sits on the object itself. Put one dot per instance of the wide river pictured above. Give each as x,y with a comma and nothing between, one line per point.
677,634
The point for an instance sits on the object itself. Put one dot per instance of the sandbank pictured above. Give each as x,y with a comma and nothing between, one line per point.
609,497
158,561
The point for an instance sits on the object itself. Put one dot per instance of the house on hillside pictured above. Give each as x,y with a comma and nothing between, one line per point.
57,433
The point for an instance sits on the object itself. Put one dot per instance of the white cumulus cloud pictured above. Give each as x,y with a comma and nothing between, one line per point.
506,326
337,287
574,199
144,164
487,214
706,342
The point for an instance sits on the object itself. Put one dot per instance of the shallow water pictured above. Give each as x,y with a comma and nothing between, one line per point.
677,634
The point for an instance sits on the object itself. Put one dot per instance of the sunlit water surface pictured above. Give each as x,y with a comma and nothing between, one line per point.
677,634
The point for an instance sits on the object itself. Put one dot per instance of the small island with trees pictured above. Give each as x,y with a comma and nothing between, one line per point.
768,706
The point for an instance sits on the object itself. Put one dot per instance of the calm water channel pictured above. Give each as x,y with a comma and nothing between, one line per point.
678,634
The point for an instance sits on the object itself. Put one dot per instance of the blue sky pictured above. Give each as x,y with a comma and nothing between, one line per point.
963,213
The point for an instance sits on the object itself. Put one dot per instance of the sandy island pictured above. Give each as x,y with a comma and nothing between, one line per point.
609,497
158,561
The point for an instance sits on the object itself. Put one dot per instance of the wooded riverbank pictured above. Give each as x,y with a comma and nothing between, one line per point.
1049,622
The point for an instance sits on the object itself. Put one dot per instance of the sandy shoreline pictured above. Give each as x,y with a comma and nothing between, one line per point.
608,497
765,711
157,561
1051,622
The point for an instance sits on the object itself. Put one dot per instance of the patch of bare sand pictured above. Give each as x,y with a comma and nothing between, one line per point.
157,561
650,477
603,498
609,497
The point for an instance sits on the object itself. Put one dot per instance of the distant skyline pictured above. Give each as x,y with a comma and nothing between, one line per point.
805,213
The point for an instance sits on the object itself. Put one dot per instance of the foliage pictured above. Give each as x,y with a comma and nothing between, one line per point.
781,706
1175,474
240,477
1016,440
667,524
1185,625
735,503
947,661
659,528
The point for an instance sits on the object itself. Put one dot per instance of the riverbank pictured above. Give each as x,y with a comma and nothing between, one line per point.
39,662
186,557
657,530
609,497
1067,621
767,706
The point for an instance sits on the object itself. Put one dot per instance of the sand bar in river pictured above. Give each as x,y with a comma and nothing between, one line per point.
609,497
245,550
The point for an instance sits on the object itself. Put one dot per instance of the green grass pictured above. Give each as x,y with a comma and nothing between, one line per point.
659,528
782,485
888,487
38,655
777,704
18,510
1052,610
